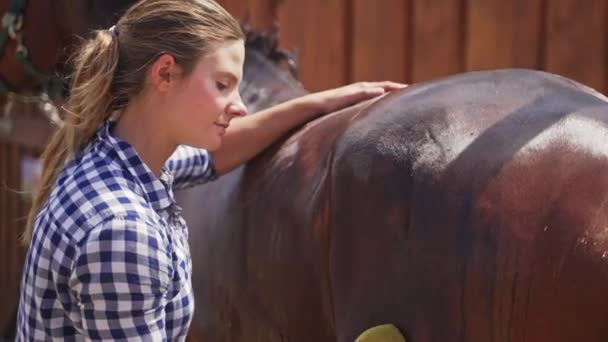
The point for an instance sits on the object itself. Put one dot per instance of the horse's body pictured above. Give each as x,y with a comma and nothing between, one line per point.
465,209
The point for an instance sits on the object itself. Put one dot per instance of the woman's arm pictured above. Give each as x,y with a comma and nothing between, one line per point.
248,136
120,280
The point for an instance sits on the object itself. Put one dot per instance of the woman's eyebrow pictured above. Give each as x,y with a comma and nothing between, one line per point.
228,75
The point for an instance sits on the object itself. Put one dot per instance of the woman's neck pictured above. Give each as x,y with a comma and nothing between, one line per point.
140,124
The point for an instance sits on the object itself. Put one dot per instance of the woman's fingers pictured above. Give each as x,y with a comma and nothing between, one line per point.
337,98
387,85
373,91
368,90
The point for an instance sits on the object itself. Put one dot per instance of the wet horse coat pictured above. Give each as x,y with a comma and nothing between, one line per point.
470,208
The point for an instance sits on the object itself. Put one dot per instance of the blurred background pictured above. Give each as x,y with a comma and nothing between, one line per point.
342,41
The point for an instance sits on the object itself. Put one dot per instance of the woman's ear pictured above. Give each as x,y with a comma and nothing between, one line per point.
163,72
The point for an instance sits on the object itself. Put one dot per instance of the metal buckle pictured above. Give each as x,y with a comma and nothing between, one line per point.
8,19
6,122
14,28
21,49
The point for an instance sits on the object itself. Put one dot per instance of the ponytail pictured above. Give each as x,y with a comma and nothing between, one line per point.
89,104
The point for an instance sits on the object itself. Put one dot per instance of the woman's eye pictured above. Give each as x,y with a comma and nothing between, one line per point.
221,86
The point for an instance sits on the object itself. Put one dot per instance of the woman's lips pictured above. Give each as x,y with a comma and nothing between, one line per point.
222,127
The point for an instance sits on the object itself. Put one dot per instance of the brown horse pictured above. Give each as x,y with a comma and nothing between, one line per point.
470,208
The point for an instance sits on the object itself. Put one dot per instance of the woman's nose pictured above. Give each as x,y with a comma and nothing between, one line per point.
237,108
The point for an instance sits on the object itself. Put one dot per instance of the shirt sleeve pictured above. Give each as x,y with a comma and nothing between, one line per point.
191,166
120,280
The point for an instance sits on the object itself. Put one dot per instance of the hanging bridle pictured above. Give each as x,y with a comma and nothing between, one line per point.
12,28
53,85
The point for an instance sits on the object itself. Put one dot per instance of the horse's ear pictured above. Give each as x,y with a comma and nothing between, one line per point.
267,44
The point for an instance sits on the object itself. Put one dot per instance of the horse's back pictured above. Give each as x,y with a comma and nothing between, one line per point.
465,209
472,209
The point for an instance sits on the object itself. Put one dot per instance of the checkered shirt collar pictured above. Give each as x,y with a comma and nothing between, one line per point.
157,189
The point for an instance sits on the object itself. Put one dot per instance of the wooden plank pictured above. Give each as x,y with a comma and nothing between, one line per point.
317,29
490,34
605,88
263,13
13,216
438,38
576,40
502,34
380,40
4,258
32,131
4,205
528,33
237,8
23,209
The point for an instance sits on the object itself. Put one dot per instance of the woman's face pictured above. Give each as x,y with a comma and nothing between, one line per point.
206,100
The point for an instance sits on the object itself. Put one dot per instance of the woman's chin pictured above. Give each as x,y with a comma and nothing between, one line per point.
208,143
211,144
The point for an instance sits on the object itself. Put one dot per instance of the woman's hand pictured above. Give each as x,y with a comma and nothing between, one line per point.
334,99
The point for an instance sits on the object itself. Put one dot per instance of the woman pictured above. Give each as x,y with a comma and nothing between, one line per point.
108,255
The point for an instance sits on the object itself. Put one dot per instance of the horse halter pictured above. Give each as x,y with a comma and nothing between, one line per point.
12,25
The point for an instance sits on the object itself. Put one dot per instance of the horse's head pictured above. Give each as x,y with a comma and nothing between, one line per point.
269,73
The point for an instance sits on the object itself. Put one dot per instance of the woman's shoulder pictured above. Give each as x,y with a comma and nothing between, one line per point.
90,191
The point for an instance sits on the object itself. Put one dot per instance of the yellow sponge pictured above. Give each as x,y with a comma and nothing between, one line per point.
381,333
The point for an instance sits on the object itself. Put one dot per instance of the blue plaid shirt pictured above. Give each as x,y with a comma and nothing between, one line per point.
109,257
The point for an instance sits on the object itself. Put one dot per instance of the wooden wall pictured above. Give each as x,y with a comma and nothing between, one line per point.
30,130
342,41
13,208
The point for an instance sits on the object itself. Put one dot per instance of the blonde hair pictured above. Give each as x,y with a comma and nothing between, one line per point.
111,67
